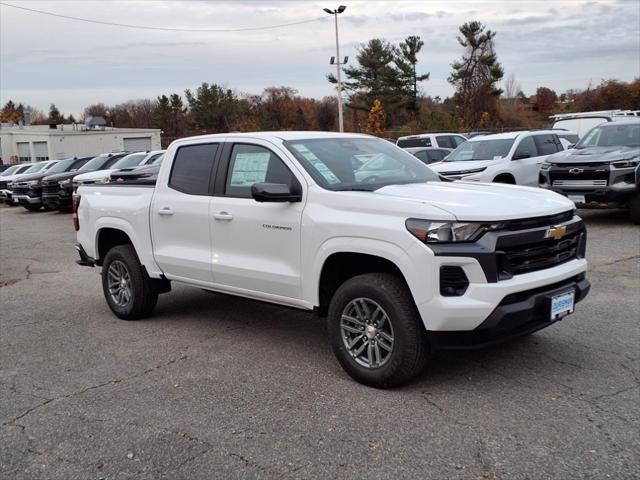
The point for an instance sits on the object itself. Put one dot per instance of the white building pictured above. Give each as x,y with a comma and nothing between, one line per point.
32,143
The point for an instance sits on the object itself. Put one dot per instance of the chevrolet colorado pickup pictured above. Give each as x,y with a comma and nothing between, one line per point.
401,262
604,167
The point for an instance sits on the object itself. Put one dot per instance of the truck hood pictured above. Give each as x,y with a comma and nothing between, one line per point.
30,176
474,201
57,177
95,175
465,165
594,154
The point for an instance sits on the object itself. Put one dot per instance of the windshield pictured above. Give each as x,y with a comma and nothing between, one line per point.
35,168
481,150
94,164
62,165
612,135
10,170
158,161
129,161
358,163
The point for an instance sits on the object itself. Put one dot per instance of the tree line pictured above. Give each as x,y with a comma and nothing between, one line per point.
384,96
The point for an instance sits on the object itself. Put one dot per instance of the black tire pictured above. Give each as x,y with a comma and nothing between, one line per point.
33,208
634,209
410,350
143,295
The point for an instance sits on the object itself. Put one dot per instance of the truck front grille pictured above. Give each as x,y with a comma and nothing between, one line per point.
21,189
50,189
525,258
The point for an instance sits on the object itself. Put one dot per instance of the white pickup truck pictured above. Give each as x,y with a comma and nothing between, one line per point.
402,262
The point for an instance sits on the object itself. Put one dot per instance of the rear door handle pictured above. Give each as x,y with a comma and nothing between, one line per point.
223,216
165,211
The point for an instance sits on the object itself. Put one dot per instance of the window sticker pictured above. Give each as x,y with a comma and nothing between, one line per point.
318,164
250,168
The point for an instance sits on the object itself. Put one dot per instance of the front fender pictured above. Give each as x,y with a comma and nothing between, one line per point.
414,270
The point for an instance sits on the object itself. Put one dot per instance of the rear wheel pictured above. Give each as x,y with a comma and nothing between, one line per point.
504,179
376,332
129,291
634,208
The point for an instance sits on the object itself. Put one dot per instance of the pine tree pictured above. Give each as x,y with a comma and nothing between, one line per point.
54,115
406,60
476,75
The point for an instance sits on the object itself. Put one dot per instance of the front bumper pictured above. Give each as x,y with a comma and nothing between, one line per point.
516,315
597,182
27,200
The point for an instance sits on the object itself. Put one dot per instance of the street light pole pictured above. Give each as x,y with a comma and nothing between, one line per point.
335,13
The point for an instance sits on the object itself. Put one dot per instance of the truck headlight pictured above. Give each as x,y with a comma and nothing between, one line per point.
546,166
33,183
103,180
446,232
65,182
631,162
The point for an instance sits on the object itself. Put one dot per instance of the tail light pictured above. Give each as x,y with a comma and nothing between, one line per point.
75,204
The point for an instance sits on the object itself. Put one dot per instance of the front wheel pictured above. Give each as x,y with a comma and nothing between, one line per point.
129,291
376,332
32,208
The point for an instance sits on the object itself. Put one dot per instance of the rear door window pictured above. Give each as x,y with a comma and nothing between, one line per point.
547,144
414,142
192,167
445,141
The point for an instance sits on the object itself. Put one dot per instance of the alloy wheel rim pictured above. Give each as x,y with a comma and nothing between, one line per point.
119,283
367,333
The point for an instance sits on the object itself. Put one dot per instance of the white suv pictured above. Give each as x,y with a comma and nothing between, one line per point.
439,140
513,157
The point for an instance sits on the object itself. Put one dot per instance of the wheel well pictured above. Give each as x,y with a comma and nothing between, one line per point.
340,267
505,178
109,238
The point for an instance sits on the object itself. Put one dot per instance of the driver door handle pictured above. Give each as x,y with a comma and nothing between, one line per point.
165,211
223,216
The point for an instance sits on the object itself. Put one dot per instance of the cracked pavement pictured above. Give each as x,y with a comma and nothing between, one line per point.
220,387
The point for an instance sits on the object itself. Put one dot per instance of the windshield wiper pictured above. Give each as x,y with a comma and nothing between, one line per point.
355,189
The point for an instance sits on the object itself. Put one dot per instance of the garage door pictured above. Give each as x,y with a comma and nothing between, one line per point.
23,152
137,144
40,151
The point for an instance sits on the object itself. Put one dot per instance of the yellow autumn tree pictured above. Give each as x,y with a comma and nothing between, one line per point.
377,119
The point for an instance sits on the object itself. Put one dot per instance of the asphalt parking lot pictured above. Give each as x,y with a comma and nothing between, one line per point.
214,386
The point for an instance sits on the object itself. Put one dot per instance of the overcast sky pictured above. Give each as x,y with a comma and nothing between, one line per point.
559,44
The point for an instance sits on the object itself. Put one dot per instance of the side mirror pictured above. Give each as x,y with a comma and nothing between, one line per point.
519,156
569,147
275,192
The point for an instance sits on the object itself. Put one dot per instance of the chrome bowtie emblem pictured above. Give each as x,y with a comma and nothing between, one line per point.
576,170
556,232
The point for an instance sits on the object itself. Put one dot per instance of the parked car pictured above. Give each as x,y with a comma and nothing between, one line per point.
60,190
513,157
34,168
128,162
402,265
48,189
146,174
439,140
429,154
603,167
8,176
28,190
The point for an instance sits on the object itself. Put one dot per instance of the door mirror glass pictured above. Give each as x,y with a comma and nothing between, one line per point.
275,192
521,155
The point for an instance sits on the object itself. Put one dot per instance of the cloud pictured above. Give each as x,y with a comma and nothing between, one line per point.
562,47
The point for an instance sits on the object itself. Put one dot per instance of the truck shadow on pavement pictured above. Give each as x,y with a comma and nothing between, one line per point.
291,335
